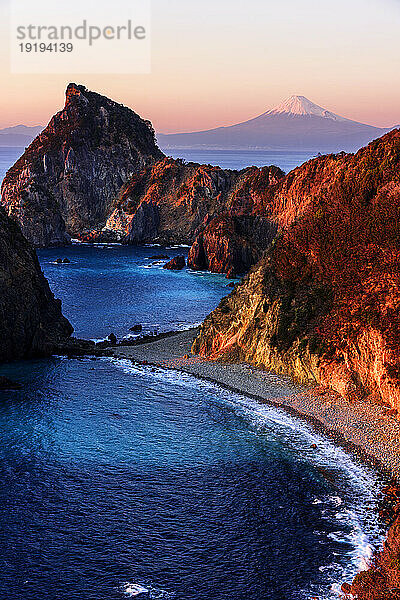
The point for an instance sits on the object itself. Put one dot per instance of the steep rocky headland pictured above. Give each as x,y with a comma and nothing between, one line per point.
96,173
323,303
175,202
31,322
66,180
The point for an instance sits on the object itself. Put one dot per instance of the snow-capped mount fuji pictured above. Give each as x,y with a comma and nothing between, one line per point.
301,106
295,124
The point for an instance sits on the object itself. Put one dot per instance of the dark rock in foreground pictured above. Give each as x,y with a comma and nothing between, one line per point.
176,264
31,322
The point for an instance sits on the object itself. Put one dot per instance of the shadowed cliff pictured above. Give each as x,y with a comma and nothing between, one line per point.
31,322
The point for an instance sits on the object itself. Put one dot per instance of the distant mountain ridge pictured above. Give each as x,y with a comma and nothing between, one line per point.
19,135
295,124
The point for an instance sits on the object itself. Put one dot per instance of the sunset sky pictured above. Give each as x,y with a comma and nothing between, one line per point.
218,62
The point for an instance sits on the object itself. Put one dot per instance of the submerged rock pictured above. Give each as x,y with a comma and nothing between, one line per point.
8,384
176,264
62,261
136,328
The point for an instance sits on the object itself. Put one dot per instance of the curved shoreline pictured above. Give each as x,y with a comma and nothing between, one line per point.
366,429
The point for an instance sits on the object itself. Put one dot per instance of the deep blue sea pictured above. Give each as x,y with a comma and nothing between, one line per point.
115,475
109,288
238,159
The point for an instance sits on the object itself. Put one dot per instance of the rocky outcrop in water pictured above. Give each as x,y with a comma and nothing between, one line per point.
66,181
96,173
175,264
323,304
230,244
219,211
31,322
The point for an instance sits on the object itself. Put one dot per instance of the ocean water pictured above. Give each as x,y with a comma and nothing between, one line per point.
8,156
115,475
108,288
239,159
227,159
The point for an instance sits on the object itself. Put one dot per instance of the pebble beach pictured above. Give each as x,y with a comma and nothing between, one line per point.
367,429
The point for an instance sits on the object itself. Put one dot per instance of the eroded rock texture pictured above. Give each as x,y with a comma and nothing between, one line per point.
31,323
220,212
95,173
323,304
67,180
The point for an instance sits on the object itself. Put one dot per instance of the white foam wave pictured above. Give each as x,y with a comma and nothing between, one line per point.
134,590
358,483
137,590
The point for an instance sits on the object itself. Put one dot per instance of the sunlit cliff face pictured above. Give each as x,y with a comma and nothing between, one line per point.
324,303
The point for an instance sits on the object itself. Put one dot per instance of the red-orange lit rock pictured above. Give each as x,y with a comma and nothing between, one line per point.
323,305
66,181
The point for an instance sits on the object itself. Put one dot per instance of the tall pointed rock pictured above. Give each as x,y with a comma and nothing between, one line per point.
67,179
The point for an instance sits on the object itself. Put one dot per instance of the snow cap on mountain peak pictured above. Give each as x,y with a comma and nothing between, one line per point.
301,106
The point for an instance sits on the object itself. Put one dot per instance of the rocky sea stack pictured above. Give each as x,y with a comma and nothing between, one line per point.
204,206
67,179
31,322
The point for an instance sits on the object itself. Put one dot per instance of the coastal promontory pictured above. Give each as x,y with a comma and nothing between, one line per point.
67,179
31,322
323,304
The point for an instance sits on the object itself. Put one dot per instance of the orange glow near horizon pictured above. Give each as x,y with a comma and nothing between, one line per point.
219,63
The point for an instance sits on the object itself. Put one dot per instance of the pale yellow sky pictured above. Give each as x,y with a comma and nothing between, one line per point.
218,62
